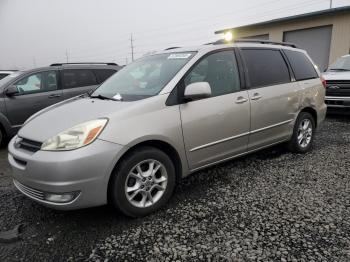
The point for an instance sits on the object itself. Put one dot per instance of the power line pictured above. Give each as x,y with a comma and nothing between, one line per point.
194,37
195,22
269,13
197,37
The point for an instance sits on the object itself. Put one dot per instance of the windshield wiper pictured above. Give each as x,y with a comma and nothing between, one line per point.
339,69
102,97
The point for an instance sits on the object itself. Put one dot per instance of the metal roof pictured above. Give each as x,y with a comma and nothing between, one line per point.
288,18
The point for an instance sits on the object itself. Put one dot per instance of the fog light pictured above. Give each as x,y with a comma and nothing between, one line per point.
61,198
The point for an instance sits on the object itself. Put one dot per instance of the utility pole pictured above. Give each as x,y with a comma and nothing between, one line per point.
34,62
330,4
67,55
132,48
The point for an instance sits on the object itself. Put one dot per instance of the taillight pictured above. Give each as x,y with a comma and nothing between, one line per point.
324,82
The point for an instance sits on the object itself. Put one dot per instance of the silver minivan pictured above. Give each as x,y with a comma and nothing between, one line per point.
164,117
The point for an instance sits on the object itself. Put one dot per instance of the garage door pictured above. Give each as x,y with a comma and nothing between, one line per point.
316,41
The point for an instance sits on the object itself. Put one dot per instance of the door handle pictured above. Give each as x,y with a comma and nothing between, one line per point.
241,100
256,96
54,95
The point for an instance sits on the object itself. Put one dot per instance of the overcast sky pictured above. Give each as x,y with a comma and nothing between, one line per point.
40,32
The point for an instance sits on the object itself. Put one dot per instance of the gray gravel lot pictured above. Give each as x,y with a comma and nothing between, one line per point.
268,206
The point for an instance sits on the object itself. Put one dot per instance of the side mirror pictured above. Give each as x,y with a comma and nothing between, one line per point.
197,91
12,90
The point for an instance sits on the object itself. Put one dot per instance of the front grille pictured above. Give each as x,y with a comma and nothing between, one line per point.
29,145
334,102
31,192
338,82
338,88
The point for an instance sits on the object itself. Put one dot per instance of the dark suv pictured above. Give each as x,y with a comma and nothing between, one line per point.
24,93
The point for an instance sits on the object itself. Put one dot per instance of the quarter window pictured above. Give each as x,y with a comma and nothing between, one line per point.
265,67
3,75
37,83
219,70
78,78
302,67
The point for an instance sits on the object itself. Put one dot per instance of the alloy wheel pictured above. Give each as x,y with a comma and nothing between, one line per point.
146,183
305,133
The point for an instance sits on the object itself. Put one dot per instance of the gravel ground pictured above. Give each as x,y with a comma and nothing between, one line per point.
268,206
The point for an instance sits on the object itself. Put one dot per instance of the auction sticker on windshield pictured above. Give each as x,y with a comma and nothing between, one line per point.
179,56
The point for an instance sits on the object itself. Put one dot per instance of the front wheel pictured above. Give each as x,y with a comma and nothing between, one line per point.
303,133
143,182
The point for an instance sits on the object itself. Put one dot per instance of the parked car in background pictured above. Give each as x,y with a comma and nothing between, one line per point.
337,79
4,73
24,93
163,117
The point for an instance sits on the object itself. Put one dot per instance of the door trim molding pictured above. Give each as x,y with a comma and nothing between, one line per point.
271,126
218,141
240,135
236,156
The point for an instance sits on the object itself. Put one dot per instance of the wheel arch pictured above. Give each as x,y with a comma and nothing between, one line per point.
312,112
166,147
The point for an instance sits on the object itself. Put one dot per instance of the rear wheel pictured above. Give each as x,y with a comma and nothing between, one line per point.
1,137
143,182
303,133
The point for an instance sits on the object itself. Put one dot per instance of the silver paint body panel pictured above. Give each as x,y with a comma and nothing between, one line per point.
203,132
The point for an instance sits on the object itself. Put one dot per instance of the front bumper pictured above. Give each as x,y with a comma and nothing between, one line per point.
338,101
84,172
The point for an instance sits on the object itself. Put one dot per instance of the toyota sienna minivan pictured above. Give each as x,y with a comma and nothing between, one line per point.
164,117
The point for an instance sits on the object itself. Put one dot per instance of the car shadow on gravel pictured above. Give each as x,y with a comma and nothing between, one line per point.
196,185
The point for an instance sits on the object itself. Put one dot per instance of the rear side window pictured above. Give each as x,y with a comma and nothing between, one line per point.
302,67
77,78
103,74
265,67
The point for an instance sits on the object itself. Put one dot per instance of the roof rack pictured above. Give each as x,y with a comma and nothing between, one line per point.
84,63
257,41
170,48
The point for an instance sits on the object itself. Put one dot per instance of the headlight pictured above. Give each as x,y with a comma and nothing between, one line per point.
75,137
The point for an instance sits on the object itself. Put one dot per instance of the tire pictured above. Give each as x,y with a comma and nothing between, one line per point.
2,137
134,174
301,129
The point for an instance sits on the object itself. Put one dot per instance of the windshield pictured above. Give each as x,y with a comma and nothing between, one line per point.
342,63
10,77
143,78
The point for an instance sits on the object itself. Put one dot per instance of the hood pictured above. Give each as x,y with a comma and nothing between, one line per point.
336,75
66,115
